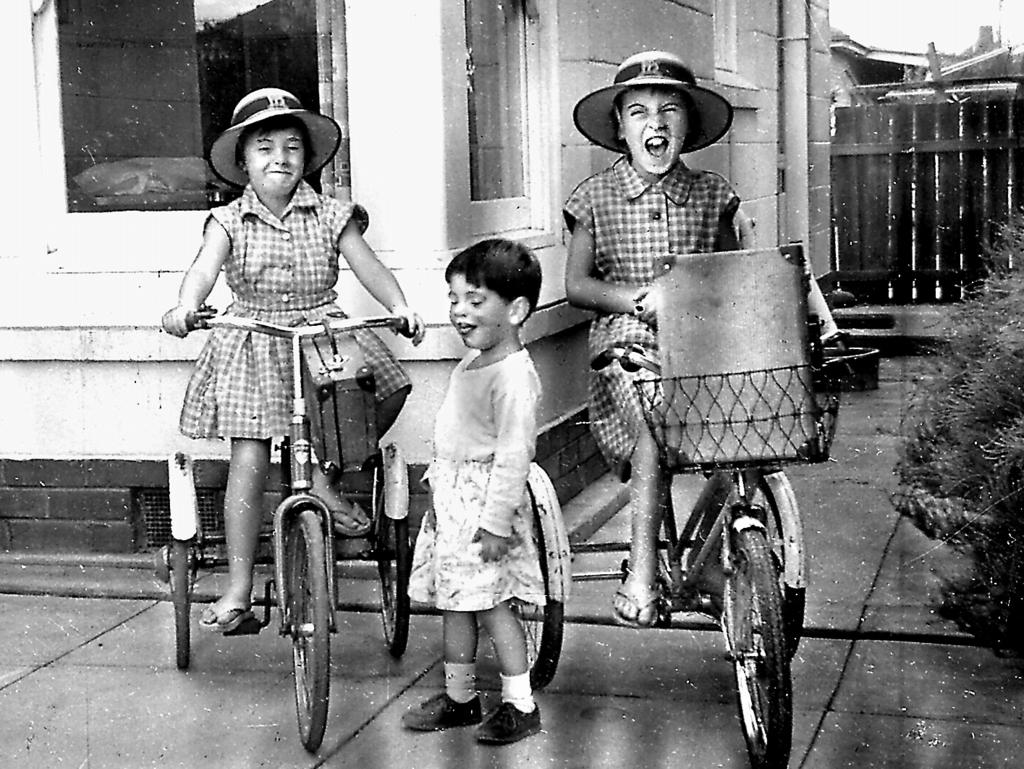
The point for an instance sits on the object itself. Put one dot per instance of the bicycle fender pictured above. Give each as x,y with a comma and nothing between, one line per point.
559,558
181,488
745,523
396,481
794,572
282,513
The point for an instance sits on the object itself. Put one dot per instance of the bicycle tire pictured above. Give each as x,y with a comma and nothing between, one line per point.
757,642
179,555
308,604
785,537
542,626
393,552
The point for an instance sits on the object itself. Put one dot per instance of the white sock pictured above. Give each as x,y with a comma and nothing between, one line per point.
517,690
460,680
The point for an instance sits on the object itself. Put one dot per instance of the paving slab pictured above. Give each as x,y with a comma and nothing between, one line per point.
118,701
910,585
849,741
917,680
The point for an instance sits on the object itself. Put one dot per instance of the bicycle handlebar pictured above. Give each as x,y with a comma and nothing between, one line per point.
631,358
634,357
203,319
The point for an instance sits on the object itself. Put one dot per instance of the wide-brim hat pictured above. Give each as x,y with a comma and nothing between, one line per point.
263,104
710,115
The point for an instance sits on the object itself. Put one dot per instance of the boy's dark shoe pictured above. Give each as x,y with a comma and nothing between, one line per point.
508,724
442,712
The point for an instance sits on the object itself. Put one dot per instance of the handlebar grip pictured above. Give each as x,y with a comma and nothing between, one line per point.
602,360
196,319
403,327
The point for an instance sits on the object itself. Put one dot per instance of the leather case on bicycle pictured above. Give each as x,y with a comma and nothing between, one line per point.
338,388
734,341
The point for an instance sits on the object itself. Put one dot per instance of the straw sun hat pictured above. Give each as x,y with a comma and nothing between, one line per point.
260,105
710,114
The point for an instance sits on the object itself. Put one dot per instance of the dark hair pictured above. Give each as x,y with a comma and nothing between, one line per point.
275,123
506,267
692,114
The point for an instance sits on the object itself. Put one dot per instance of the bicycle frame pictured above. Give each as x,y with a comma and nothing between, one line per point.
689,551
297,449
700,541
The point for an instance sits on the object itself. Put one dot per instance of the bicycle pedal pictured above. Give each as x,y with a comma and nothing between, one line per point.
248,626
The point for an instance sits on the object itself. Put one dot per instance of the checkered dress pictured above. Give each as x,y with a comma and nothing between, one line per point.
633,224
281,271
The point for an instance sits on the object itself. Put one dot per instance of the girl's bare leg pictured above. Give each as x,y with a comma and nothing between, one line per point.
389,409
634,600
507,636
243,512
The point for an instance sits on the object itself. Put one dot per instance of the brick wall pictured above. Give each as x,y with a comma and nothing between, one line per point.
101,505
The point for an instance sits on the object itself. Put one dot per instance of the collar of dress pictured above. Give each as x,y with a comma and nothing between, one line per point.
676,184
304,197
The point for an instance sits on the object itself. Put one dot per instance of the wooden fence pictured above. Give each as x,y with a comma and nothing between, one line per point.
917,192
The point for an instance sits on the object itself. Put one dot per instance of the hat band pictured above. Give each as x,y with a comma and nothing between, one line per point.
650,68
275,102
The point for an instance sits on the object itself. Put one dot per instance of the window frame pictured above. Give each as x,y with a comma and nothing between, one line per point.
527,213
726,27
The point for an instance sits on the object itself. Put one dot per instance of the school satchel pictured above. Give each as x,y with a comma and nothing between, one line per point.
338,390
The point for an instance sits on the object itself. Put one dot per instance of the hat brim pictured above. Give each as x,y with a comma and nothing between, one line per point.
594,114
324,139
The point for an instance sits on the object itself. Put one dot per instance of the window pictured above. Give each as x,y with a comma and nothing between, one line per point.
726,35
146,86
503,103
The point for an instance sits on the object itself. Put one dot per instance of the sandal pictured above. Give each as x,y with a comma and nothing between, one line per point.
226,622
349,519
354,522
636,609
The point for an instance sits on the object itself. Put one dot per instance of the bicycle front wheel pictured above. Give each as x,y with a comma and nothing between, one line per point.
309,623
392,548
786,543
753,624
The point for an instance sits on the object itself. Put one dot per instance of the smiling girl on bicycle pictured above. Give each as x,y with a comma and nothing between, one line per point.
278,245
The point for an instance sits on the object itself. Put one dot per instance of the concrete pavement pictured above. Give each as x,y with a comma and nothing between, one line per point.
880,680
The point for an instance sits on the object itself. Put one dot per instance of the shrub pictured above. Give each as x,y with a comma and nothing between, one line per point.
961,472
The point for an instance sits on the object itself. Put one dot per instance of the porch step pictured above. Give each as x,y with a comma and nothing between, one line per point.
895,329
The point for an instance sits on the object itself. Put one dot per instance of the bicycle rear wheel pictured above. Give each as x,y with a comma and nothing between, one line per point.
392,549
309,622
543,625
753,626
180,564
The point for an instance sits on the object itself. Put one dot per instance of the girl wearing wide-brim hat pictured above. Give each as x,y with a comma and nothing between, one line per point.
278,246
646,204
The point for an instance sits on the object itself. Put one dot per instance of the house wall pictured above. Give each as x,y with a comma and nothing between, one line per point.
90,382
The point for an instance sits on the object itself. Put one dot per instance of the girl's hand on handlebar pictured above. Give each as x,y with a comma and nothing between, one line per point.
414,326
178,321
645,305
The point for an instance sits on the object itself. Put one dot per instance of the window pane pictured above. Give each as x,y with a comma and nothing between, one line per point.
496,79
147,85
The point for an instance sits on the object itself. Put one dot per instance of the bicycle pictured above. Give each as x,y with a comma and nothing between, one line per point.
737,428
304,554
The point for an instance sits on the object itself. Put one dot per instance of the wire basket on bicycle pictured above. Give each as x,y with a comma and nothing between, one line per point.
740,382
760,416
